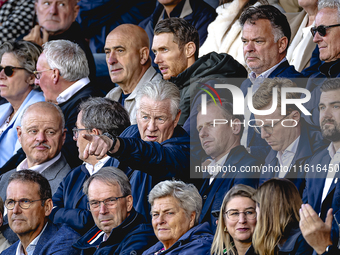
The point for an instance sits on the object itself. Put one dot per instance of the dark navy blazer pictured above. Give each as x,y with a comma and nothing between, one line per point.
214,193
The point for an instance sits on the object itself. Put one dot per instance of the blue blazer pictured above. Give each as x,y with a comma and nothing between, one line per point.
258,146
310,141
56,240
69,201
214,193
9,143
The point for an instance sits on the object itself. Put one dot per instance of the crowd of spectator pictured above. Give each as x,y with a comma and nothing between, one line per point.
213,127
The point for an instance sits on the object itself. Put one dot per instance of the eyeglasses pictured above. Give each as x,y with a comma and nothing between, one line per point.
37,74
268,129
321,29
76,131
9,70
110,202
23,203
235,215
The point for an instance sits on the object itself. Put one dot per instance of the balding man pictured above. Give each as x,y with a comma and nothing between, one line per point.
127,57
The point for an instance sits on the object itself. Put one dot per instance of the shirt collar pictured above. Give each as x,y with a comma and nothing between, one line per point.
265,74
92,170
292,148
331,150
31,247
70,91
38,168
214,163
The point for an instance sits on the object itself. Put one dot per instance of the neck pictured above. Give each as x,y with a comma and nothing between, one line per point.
241,247
17,102
130,86
311,19
235,143
170,7
27,238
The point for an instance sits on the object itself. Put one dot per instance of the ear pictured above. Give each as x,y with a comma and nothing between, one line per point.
95,131
192,219
75,12
177,118
55,76
144,55
19,132
283,44
30,79
296,115
48,207
129,203
190,49
236,127
64,135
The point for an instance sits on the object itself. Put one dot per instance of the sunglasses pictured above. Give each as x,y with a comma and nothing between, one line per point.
9,70
321,29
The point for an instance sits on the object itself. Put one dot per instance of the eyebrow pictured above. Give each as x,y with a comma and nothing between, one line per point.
330,103
114,47
244,209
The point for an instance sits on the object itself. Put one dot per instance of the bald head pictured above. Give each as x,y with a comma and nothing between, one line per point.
127,55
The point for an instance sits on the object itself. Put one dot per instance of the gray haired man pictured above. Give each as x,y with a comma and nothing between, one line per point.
62,72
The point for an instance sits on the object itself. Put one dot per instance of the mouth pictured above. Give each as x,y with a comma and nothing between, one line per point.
152,138
242,229
163,69
205,143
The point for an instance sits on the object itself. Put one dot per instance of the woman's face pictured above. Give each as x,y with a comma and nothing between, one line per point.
16,87
240,228
169,220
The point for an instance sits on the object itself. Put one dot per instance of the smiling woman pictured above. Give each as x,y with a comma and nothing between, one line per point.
18,61
175,210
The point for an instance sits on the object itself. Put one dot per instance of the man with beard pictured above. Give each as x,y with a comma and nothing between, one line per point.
323,168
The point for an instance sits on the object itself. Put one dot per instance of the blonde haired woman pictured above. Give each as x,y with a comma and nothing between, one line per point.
236,222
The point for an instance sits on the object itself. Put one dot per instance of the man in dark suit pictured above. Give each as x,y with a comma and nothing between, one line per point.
291,139
28,203
62,74
228,159
265,35
322,180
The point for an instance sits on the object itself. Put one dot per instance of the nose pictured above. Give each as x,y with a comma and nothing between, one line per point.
16,209
37,82
112,59
157,59
40,137
242,218
152,126
102,208
317,38
203,132
264,134
53,8
160,219
2,75
249,47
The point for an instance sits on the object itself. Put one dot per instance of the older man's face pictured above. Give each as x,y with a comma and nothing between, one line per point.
56,16
260,50
41,135
155,121
329,45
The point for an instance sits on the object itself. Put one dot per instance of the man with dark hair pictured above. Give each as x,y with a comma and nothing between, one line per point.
265,35
28,205
291,139
221,142
97,116
119,228
196,12
175,46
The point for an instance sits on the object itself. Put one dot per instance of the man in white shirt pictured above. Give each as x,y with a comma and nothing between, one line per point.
290,138
29,204
97,116
62,74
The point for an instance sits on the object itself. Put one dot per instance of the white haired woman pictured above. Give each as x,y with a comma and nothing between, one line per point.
175,210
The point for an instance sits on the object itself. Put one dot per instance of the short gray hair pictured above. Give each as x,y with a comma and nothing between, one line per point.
27,53
1,208
159,90
111,176
187,195
68,58
333,4
104,114
44,105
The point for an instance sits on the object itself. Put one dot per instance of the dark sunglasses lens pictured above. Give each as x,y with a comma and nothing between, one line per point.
8,70
322,30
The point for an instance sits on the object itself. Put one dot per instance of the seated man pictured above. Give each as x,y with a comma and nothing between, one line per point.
57,21
96,117
291,139
62,74
155,149
119,228
127,56
221,142
29,203
265,35
42,134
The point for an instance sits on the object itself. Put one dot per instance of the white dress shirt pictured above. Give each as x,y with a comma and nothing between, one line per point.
286,157
214,167
38,168
70,91
31,247
92,170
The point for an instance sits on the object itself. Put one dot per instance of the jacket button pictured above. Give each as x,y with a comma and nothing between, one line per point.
205,197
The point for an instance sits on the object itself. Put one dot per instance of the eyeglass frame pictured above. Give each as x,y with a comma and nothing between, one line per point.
272,127
103,201
313,30
12,68
76,131
37,74
226,213
20,201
